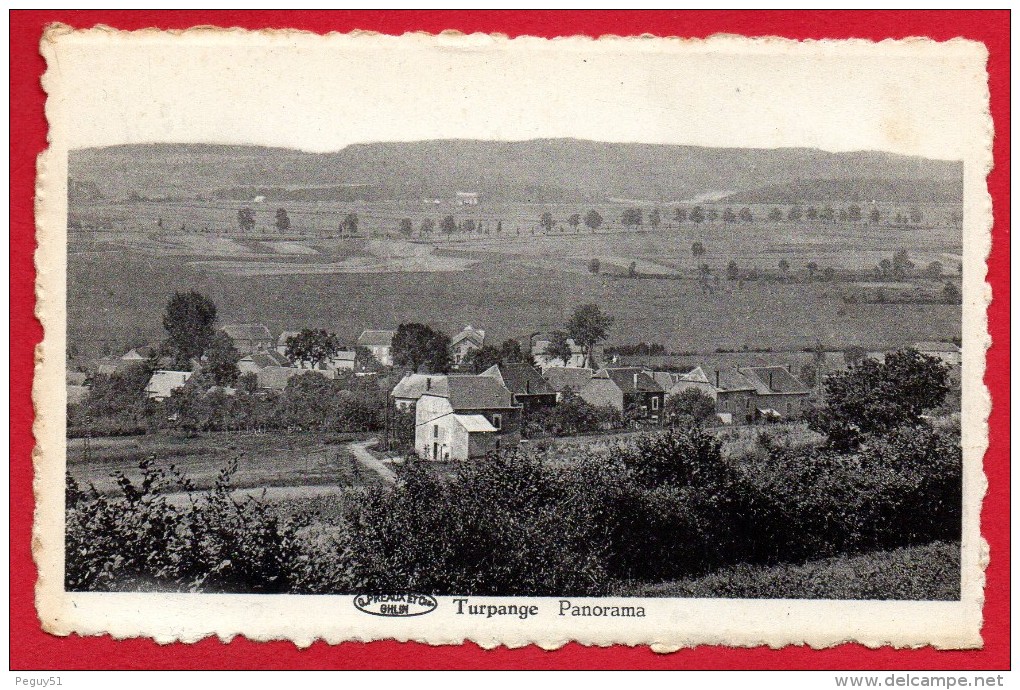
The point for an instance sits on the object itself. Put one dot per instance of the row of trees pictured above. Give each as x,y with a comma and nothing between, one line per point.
246,221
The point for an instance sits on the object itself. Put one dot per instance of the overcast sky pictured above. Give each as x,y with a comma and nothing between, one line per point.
321,94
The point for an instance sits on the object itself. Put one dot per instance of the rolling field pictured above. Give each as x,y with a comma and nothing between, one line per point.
512,285
270,460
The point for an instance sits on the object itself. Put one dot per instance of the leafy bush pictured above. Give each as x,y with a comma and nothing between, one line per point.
659,507
504,525
143,540
571,416
873,397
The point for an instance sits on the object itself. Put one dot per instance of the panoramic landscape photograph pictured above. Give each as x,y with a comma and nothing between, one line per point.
467,348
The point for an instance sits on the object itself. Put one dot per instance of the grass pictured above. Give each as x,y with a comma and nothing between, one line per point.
929,572
266,460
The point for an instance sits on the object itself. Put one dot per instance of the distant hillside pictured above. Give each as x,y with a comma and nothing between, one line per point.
914,191
545,170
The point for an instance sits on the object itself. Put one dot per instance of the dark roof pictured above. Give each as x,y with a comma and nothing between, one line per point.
413,386
521,378
477,393
247,331
475,335
376,338
772,380
268,358
631,379
561,378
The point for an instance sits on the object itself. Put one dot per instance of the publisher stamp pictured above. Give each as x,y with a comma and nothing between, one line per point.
642,341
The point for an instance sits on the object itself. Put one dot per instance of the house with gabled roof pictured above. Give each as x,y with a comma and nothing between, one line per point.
139,354
380,344
625,389
530,390
564,379
163,383
473,416
464,342
540,353
779,393
257,361
733,394
412,386
249,337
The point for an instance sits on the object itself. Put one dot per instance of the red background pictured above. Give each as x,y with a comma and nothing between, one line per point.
32,649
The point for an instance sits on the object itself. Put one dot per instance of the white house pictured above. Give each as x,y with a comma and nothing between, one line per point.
467,198
410,388
163,383
476,415
380,344
464,342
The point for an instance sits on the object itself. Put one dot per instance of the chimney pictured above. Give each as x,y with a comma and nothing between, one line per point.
635,380
770,380
527,386
716,378
428,383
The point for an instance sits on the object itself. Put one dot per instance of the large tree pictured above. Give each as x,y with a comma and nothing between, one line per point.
245,219
282,220
588,327
546,221
314,346
420,347
875,397
350,223
189,319
559,347
593,219
512,352
221,360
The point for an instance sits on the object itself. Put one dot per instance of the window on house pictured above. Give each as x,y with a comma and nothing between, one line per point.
747,404
789,408
435,431
497,421
655,403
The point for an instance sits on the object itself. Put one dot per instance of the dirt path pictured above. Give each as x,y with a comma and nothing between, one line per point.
360,452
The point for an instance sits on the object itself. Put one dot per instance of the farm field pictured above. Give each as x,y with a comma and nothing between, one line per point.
119,282
270,460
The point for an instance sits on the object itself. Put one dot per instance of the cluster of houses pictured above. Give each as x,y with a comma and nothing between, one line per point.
460,416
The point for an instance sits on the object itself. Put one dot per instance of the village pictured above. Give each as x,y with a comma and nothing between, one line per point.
474,398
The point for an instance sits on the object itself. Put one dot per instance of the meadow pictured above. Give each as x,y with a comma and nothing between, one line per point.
120,278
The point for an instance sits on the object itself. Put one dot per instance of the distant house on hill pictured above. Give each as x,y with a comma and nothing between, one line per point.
543,359
250,337
464,342
109,365
563,379
276,378
410,388
530,390
257,361
467,198
745,394
163,383
281,342
625,388
733,394
474,416
139,354
380,344
779,393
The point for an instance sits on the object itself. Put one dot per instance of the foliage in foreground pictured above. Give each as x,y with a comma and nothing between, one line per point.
929,572
663,507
